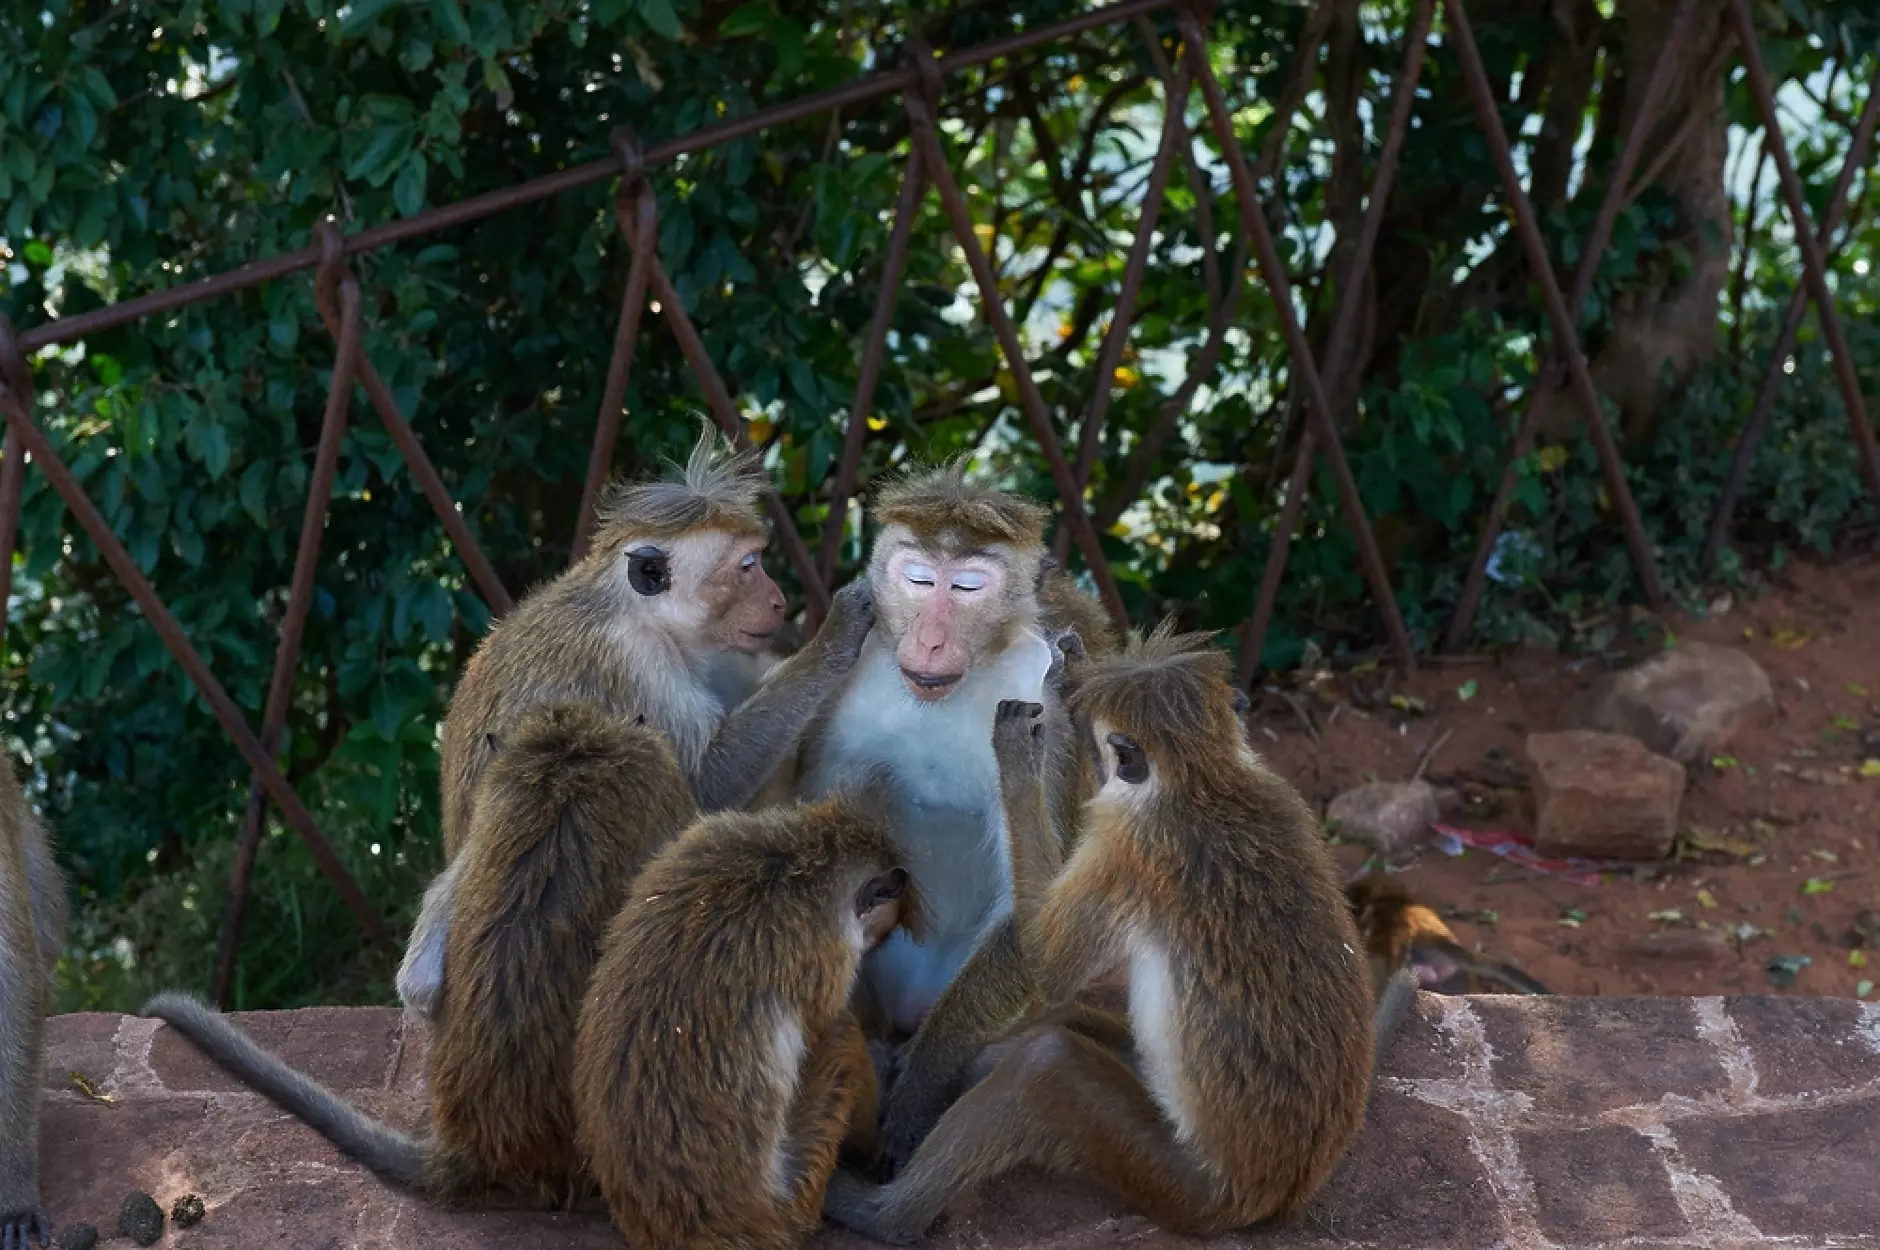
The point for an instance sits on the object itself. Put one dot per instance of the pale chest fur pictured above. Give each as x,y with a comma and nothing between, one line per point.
686,703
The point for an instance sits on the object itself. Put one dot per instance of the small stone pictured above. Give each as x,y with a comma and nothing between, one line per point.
1603,796
1683,946
1392,817
78,1237
1684,703
188,1211
141,1219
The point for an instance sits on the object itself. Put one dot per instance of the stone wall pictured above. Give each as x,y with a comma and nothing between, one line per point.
1521,1123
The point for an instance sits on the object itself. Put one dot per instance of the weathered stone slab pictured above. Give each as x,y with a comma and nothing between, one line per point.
1652,1124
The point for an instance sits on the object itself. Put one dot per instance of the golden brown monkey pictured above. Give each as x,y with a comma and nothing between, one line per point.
718,1067
568,811
1204,875
667,618
967,614
1400,932
32,929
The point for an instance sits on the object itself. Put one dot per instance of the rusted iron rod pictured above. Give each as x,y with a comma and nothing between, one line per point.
893,267
1110,355
1339,347
1566,330
1305,373
725,412
920,104
874,86
1618,195
28,435
299,600
1764,409
429,481
636,210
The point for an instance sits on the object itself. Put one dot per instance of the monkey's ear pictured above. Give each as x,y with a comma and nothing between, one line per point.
1132,762
1047,565
649,571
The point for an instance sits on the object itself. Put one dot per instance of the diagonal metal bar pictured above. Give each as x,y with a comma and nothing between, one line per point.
27,436
725,413
1339,347
12,493
1305,372
1764,409
920,104
1566,331
893,267
1618,195
1110,355
300,591
468,550
636,210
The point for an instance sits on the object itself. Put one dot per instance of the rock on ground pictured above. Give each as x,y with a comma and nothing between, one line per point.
1591,1123
1684,703
1602,795
1392,817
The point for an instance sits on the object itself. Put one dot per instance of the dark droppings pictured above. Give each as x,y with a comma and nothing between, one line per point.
78,1237
188,1211
141,1218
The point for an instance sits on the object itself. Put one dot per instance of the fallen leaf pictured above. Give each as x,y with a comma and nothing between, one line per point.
1698,838
1829,856
1467,690
1857,690
1821,777
1723,763
88,1087
1857,959
1409,703
1367,666
1747,932
1669,915
1783,969
1847,723
1863,988
1572,917
1870,769
1708,899
1788,638
1817,885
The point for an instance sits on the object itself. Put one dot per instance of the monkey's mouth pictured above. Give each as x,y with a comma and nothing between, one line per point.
757,636
930,686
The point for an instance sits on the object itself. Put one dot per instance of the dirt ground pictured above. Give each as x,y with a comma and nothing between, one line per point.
1779,846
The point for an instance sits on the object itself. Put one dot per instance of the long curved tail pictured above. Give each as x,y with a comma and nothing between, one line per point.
391,1154
1387,1017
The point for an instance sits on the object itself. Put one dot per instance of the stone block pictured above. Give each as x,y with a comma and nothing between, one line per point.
1685,703
1601,1185
1602,795
1585,1057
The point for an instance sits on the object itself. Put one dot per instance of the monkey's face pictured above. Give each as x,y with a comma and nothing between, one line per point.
945,608
878,905
708,587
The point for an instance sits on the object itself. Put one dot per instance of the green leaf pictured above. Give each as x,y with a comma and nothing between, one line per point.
98,87
751,19
408,191
362,14
254,492
433,611
449,18
658,14
208,443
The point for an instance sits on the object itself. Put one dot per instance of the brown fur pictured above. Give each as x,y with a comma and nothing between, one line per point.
570,809
1400,932
32,929
1064,606
1217,868
736,926
946,511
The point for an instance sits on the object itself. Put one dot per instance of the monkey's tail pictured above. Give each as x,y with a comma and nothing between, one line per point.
391,1154
1387,1017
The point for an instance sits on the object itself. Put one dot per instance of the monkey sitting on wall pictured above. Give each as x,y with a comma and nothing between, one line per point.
572,806
665,619
32,929
718,1068
1400,932
1204,875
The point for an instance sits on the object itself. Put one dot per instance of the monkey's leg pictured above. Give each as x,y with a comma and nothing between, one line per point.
862,1145
1058,1101
985,1001
22,1052
838,1086
1106,1028
421,974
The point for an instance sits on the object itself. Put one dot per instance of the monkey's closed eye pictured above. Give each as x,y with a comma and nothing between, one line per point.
648,571
1132,765
881,890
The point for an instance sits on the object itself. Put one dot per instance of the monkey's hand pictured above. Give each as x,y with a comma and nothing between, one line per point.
1067,655
18,1228
851,616
1018,741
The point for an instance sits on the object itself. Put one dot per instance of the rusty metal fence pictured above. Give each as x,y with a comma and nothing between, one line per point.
919,80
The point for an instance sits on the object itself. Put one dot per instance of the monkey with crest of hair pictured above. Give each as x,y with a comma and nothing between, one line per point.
663,619
572,806
32,929
1400,932
718,1069
1205,877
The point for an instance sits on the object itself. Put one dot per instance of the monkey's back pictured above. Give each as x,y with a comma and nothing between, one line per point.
718,976
1274,1029
565,815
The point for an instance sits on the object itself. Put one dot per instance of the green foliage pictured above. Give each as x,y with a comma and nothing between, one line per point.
145,146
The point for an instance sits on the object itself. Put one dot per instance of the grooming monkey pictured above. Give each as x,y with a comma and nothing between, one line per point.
32,929
957,574
1400,932
1205,876
718,1068
665,618
572,806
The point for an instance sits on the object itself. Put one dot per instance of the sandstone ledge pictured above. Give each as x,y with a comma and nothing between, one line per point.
1645,1123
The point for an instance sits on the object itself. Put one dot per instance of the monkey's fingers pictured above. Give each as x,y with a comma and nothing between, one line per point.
1018,709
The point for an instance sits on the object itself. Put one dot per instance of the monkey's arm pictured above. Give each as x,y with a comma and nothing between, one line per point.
767,728
1018,733
22,1052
